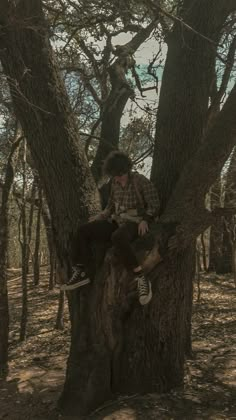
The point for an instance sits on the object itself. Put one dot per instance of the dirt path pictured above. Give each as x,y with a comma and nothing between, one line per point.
37,367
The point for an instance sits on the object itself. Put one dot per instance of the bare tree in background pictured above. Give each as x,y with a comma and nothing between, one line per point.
5,193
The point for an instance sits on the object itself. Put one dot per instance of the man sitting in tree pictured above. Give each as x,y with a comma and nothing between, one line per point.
133,204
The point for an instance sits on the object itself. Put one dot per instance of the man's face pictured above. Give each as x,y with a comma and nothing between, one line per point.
122,179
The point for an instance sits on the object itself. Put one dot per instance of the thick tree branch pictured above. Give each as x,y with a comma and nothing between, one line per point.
190,230
215,105
187,201
132,46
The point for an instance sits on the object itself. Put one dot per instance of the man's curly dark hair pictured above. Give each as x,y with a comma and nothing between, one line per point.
117,163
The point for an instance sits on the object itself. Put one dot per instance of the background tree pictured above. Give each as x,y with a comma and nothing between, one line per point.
215,239
4,232
227,254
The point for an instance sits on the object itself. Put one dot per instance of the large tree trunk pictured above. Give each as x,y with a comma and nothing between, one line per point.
116,344
41,103
42,106
184,97
182,116
4,314
109,314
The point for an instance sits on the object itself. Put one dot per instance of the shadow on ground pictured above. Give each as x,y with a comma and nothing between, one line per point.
37,367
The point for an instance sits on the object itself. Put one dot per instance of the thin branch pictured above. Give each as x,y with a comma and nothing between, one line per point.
85,78
90,56
146,109
88,141
144,155
73,33
150,68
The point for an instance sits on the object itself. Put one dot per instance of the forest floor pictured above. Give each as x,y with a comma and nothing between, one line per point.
37,366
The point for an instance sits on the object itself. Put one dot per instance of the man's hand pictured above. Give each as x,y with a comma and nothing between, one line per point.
143,228
99,216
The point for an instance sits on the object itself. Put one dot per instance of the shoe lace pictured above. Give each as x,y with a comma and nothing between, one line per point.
77,272
143,285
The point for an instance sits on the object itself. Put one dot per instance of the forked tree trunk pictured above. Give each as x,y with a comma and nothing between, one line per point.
114,105
116,344
4,314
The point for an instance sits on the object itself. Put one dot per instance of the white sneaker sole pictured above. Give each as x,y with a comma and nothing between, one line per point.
75,285
144,300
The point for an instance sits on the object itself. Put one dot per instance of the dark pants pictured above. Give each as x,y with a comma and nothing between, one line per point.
103,231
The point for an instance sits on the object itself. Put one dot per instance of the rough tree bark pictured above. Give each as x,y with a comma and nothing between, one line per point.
4,314
118,346
183,109
41,102
216,241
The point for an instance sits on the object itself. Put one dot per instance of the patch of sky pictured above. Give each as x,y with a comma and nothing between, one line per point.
144,76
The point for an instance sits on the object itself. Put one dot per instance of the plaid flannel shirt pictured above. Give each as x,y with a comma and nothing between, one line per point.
145,201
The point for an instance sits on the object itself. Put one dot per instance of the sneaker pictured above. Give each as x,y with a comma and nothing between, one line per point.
144,289
79,278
